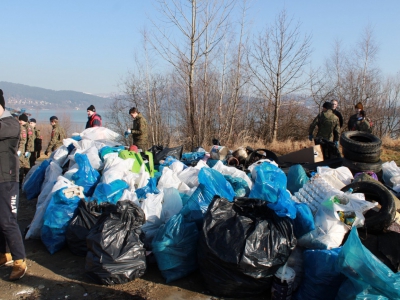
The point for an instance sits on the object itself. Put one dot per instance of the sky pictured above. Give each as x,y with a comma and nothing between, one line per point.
88,46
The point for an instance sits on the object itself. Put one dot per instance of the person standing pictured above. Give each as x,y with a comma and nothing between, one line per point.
336,112
328,125
138,130
12,249
353,118
362,123
37,143
57,136
25,147
94,119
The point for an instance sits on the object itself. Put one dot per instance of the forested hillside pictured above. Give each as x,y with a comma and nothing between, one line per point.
23,96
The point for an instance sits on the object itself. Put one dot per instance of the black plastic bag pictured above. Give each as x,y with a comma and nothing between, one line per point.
115,250
85,218
242,245
160,153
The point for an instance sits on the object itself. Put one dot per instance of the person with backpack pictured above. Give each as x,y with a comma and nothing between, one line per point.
353,118
57,136
328,125
94,119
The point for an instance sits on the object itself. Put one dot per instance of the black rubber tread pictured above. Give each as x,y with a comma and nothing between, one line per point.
261,154
362,157
375,221
360,141
356,166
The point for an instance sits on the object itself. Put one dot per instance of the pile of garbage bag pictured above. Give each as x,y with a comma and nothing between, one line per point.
245,223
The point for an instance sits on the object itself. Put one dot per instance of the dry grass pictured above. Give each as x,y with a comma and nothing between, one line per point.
390,150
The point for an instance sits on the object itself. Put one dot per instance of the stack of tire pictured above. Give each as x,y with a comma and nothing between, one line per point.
361,151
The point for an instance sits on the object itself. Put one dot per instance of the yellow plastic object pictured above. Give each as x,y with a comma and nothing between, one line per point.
138,161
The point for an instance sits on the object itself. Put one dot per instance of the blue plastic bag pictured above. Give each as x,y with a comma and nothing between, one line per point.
108,149
296,178
150,187
86,176
270,186
239,185
360,265
33,185
216,183
58,214
321,278
352,289
304,221
269,180
190,157
175,247
110,192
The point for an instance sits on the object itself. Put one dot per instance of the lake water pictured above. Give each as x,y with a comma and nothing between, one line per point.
78,118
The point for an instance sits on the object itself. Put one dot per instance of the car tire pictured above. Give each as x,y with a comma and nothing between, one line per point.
360,142
356,166
362,157
375,221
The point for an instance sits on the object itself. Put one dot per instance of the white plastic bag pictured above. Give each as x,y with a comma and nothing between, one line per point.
225,170
99,133
341,173
53,173
391,173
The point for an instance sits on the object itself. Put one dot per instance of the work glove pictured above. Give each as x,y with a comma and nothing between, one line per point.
19,153
27,154
337,144
310,137
46,152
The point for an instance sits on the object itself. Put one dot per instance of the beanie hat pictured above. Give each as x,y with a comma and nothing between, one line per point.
23,117
53,118
92,108
359,106
2,102
32,120
327,105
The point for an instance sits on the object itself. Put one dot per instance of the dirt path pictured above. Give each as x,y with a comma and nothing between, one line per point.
62,276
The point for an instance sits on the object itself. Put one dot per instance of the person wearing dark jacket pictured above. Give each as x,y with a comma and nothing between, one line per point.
94,119
353,118
138,130
336,112
327,123
12,249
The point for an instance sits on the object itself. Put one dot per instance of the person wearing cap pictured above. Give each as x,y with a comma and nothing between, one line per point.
328,125
94,119
353,118
57,136
26,146
336,112
37,143
138,130
12,249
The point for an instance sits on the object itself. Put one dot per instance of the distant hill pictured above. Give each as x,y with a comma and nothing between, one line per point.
20,96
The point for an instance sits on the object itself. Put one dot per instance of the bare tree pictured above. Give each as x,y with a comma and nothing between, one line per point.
199,23
277,61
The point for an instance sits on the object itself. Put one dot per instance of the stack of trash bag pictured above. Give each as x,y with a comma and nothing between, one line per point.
241,246
116,253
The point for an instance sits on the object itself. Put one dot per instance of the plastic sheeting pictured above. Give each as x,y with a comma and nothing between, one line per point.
242,245
115,252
